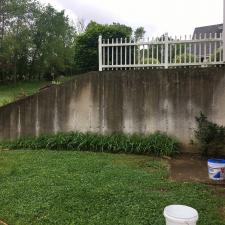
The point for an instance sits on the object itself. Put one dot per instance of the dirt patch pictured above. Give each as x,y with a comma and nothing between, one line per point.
191,168
3,223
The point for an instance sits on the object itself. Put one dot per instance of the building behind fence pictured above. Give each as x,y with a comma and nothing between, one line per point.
164,52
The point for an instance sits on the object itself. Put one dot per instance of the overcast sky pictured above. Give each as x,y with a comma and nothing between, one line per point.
177,17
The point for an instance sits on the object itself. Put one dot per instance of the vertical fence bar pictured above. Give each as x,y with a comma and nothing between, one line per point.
148,51
157,51
162,49
162,53
210,48
121,52
130,52
143,54
108,54
223,31
100,52
195,50
220,49
152,46
116,53
112,53
103,50
200,49
166,50
190,51
175,49
139,54
180,50
185,50
205,48
134,51
215,47
125,55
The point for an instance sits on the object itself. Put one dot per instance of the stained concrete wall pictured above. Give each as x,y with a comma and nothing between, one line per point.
137,101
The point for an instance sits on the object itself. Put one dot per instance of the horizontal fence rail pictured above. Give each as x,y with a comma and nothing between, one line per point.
163,52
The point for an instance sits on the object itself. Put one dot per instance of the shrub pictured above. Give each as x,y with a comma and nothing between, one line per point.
157,144
150,61
217,57
181,58
209,135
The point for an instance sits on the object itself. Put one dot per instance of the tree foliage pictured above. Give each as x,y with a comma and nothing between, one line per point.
139,33
36,41
39,42
86,48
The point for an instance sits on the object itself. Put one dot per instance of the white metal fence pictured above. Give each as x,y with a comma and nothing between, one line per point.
164,52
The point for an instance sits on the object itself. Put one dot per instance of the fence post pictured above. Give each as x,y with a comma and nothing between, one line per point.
167,50
223,30
100,52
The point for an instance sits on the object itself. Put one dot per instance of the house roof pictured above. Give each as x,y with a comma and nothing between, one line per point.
213,29
210,46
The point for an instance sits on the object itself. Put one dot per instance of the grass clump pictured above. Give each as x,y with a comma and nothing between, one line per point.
155,144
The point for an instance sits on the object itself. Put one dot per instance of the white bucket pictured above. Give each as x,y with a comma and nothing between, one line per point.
216,169
180,215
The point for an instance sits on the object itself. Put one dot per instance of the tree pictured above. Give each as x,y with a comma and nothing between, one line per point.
36,41
80,25
53,43
3,7
86,47
16,21
139,33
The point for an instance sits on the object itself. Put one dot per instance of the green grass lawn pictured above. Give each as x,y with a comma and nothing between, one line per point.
11,92
82,188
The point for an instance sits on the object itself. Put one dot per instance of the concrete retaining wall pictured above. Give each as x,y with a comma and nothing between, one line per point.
138,101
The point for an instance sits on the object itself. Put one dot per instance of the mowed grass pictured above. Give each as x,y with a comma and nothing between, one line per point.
83,188
14,91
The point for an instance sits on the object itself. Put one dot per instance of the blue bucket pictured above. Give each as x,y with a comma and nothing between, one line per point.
216,169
